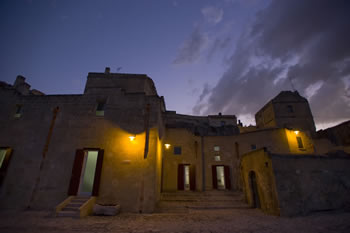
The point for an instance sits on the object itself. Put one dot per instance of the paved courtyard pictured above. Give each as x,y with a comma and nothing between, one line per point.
237,220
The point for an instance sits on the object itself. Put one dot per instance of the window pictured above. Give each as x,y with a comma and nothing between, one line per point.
290,109
18,112
300,142
177,150
216,148
253,147
222,123
100,110
217,158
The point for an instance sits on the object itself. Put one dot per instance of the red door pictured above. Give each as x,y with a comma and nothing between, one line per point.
180,177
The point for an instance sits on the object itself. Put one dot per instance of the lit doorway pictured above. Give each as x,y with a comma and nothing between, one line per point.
221,177
186,177
88,173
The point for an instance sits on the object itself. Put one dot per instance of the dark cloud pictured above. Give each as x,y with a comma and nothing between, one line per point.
190,50
303,41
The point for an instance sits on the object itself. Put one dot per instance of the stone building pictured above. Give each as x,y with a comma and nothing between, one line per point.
118,144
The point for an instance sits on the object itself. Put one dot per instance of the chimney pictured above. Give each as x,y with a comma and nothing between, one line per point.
220,114
19,81
107,70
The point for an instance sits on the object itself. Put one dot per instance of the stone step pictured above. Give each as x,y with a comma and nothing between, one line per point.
68,214
74,205
70,209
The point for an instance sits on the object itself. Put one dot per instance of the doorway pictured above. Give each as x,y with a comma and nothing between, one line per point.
86,172
254,190
221,177
186,178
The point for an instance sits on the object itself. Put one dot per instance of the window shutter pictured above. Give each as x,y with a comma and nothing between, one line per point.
227,177
76,173
180,177
193,177
98,172
215,178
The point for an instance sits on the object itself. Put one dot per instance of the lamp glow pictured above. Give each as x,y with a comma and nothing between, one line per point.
167,146
132,138
296,132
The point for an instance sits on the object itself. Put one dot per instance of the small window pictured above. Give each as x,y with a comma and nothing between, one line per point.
217,158
100,110
216,148
253,147
18,112
290,109
300,143
177,150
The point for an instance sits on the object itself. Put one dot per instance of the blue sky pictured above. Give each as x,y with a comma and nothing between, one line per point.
197,52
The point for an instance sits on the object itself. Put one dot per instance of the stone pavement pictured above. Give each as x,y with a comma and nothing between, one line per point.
230,220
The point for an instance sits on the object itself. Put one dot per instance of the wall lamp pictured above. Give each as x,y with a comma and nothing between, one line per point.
167,146
132,138
296,132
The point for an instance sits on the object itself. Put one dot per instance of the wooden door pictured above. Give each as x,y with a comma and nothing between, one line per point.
192,178
180,177
227,177
215,178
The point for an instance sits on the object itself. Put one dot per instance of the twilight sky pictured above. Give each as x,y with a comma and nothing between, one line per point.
205,57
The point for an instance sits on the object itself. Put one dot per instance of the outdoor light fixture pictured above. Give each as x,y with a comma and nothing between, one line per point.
167,146
132,138
296,132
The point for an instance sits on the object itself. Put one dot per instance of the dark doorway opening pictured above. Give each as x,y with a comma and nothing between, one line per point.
254,190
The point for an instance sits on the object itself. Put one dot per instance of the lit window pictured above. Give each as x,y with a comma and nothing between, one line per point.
18,112
290,109
217,158
177,150
253,146
216,148
300,142
100,110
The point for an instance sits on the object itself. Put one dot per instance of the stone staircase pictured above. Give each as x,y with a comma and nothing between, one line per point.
72,209
183,201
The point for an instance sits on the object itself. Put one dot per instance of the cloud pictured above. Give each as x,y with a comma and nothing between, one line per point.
212,14
303,41
192,47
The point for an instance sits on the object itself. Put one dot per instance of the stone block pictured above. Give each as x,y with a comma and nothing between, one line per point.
107,210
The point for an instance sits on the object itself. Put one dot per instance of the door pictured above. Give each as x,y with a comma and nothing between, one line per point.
221,177
186,177
86,172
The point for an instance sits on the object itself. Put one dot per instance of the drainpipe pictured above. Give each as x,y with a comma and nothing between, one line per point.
46,147
203,164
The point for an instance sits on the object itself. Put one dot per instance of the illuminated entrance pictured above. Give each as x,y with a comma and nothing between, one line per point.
186,178
221,177
86,173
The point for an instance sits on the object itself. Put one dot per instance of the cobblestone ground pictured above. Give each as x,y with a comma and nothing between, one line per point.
245,220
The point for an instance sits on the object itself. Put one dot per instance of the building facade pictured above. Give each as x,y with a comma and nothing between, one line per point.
117,143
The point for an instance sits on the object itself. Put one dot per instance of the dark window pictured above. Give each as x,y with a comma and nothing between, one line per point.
18,112
177,150
290,109
100,110
300,142
253,146
223,123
